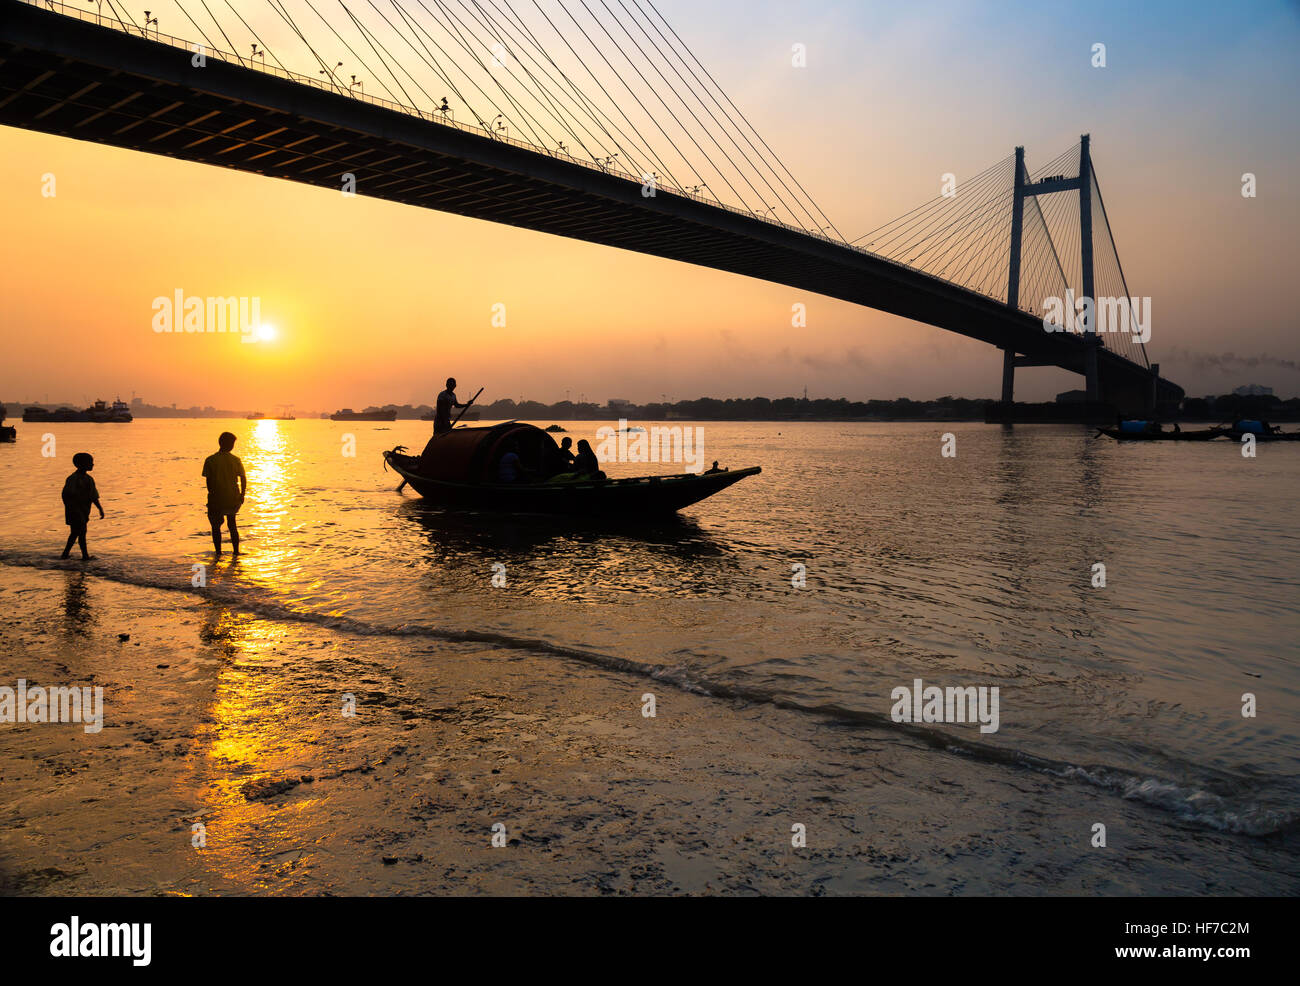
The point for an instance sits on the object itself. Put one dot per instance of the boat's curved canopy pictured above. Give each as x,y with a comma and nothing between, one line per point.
472,455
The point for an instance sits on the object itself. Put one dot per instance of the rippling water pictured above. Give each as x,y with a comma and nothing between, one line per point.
973,570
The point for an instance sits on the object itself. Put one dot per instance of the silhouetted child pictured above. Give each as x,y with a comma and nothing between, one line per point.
79,494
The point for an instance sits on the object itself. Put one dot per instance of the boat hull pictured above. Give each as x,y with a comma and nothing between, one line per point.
640,496
1162,436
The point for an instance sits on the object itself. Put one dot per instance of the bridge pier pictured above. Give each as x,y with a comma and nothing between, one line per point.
1008,375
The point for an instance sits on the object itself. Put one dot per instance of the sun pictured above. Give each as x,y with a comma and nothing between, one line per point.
267,332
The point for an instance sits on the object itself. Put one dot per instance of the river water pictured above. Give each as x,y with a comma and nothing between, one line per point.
860,560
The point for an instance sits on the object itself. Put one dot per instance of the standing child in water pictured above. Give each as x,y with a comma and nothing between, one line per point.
79,494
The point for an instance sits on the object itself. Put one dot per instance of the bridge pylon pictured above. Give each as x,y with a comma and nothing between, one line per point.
1021,189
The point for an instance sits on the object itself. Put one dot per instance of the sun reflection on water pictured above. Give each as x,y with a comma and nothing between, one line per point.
254,733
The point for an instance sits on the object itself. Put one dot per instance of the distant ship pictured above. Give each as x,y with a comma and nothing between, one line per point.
254,416
100,412
347,414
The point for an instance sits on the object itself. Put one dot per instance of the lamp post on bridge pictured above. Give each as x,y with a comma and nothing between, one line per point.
147,21
99,4
329,73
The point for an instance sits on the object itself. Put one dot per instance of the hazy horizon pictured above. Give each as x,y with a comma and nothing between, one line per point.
380,301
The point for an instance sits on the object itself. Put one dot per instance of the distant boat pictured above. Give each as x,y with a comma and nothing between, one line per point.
1236,435
1203,435
42,414
458,469
285,414
100,413
254,416
347,414
7,433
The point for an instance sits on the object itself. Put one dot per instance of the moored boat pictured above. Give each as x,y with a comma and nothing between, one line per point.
1236,434
459,469
1200,435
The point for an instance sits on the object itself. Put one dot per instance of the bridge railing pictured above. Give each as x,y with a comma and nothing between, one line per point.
259,64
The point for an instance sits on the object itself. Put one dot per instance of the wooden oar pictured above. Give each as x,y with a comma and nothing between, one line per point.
466,408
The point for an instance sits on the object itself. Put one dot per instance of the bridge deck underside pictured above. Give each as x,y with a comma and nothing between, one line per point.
78,80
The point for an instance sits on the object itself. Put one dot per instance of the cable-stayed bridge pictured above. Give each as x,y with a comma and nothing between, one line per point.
590,119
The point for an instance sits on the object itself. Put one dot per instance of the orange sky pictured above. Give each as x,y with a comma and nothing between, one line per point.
378,302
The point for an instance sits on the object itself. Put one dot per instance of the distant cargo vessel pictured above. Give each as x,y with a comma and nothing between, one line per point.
347,414
100,412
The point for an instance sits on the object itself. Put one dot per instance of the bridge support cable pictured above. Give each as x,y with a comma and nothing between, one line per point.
618,75
757,135
325,69
554,103
255,35
903,239
598,117
233,50
581,61
685,84
913,214
1111,275
615,81
703,128
653,89
211,46
525,120
954,236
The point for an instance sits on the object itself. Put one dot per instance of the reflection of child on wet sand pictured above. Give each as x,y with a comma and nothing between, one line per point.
79,494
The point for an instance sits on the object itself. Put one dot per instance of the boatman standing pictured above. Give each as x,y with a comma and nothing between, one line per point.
442,413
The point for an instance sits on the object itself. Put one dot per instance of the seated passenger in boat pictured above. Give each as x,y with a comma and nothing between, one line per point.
511,469
566,452
586,463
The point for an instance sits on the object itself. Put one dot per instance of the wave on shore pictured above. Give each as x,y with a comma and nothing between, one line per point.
1251,806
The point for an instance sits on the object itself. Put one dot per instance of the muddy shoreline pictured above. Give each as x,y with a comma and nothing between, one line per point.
234,723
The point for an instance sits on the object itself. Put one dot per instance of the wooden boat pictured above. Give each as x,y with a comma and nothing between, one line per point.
459,469
1203,435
